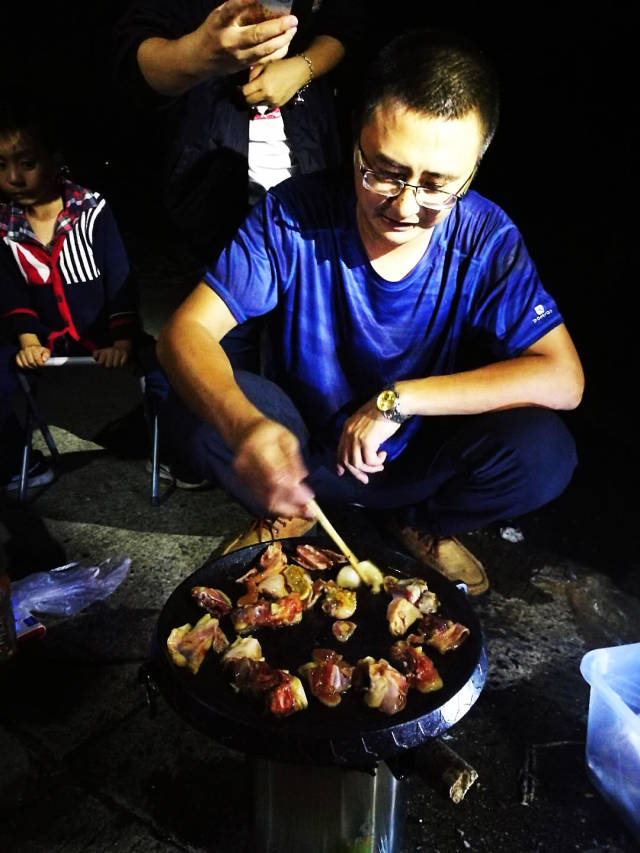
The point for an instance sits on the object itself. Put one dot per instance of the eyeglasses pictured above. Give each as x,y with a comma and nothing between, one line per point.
392,187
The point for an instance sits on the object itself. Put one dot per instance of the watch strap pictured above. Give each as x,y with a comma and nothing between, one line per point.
390,412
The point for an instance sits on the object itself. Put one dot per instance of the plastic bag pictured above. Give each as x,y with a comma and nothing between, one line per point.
68,589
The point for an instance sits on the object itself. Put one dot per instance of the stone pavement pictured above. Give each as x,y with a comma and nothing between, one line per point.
83,765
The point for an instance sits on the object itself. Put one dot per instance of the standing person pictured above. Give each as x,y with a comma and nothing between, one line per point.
414,356
235,105
65,283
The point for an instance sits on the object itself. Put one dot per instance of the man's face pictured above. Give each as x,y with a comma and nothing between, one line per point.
26,174
419,149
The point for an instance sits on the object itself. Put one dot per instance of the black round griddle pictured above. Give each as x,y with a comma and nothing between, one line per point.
350,734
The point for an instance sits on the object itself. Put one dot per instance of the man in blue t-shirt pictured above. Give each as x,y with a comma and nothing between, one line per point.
413,356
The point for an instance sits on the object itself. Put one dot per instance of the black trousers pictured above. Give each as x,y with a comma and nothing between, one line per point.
457,473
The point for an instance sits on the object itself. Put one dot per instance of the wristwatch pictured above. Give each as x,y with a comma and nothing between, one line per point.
388,404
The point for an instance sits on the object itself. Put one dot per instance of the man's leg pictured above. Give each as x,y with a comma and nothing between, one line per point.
498,465
198,446
242,345
459,474
456,475
462,473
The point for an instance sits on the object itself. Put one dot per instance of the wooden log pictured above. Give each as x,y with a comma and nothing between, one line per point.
444,770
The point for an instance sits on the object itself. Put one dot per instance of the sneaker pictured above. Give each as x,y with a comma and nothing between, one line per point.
270,529
40,473
186,480
164,471
183,480
447,556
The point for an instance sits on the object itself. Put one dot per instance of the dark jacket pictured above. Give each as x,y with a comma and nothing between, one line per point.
79,288
201,138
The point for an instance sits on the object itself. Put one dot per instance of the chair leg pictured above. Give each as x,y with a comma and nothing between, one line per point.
32,408
44,429
151,416
155,462
26,456
32,418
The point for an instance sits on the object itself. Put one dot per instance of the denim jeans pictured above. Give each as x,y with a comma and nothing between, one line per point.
457,473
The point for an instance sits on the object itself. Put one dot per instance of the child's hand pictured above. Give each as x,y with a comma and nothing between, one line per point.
32,355
115,356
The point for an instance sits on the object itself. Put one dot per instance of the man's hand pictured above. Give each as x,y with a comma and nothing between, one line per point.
276,83
32,355
231,38
269,462
229,41
115,356
362,435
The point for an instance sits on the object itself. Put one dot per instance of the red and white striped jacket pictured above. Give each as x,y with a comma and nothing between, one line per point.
79,288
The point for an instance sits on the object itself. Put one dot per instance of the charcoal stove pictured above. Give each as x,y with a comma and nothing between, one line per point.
324,779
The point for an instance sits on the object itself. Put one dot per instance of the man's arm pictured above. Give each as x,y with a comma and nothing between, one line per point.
221,45
266,455
548,374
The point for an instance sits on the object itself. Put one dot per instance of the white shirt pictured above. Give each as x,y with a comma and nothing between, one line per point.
270,157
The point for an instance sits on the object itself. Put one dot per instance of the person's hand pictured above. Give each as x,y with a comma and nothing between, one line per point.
115,356
32,355
269,462
230,40
362,435
276,83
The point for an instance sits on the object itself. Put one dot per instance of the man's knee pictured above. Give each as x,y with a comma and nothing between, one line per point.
535,451
199,445
273,402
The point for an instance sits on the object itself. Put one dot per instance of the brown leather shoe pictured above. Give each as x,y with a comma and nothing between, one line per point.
447,556
269,529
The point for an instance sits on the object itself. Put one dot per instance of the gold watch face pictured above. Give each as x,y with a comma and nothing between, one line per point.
386,400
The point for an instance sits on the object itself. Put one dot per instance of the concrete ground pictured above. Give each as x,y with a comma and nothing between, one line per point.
83,765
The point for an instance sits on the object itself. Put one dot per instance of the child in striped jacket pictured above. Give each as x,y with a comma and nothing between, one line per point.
65,282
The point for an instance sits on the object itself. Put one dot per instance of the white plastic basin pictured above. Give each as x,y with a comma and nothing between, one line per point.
613,730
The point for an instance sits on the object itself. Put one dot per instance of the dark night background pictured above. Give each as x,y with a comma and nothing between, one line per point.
561,165
95,771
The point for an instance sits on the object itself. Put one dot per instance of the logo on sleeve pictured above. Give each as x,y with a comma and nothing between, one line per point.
541,313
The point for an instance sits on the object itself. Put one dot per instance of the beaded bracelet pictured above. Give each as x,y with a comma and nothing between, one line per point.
299,99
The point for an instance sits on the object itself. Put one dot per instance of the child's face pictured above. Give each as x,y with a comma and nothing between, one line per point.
27,174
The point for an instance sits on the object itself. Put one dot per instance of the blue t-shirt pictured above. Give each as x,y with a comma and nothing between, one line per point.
339,332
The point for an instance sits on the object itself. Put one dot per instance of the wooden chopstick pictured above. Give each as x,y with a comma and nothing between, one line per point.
333,533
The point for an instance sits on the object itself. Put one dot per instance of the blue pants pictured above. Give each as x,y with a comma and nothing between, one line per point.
457,473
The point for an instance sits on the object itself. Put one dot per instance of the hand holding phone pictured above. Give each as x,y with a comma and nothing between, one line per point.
267,9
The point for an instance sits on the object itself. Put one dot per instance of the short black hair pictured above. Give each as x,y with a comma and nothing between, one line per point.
436,72
31,116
